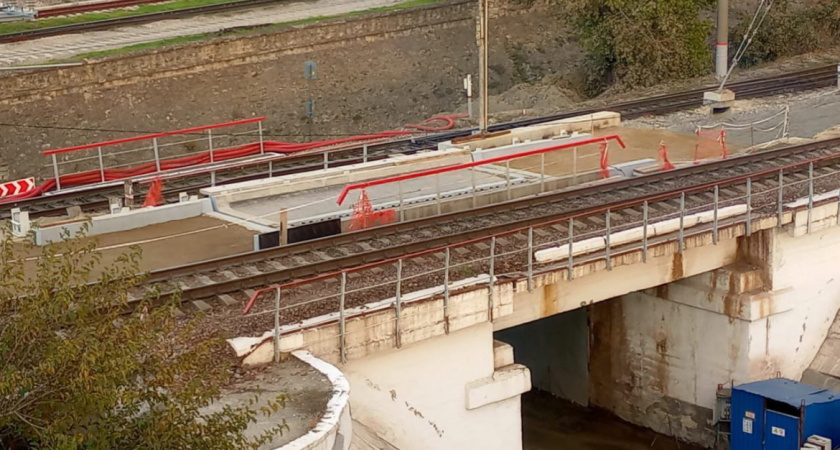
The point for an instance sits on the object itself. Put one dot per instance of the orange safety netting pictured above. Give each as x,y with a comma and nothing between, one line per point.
605,160
365,217
711,144
663,155
155,195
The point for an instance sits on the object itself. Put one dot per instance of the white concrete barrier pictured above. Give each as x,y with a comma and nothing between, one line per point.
581,124
128,220
522,147
335,176
562,252
635,234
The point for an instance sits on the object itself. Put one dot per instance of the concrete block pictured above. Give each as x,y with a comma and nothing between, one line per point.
227,300
718,97
502,354
506,382
201,305
130,220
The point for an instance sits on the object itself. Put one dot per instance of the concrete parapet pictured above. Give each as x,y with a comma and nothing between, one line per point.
337,176
372,328
334,430
127,220
822,216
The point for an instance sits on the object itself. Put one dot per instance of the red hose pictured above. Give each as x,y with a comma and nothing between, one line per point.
95,176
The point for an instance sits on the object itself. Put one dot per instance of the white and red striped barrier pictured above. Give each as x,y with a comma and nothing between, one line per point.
17,187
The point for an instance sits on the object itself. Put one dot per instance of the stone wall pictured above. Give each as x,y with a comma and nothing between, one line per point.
376,72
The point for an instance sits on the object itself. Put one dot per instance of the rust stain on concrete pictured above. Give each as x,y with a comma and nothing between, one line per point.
660,376
733,306
608,357
662,291
713,281
549,300
677,270
758,251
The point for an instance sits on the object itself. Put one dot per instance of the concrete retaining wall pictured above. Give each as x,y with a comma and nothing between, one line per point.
335,429
123,221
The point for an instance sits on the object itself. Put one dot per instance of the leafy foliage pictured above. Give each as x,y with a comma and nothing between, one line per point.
641,42
789,29
79,372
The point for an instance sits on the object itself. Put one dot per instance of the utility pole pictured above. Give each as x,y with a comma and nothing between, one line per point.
483,20
310,72
722,54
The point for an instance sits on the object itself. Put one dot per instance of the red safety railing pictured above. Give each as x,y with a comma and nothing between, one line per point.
148,137
498,159
159,164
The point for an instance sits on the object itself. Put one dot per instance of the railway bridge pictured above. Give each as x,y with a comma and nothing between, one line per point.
639,295
641,303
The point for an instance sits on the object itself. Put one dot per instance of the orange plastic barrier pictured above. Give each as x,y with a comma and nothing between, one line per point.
663,155
711,144
155,195
605,160
365,217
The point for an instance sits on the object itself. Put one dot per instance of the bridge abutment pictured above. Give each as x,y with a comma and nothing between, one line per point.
455,391
657,363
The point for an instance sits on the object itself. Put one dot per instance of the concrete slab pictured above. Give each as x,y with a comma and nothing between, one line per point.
167,244
320,204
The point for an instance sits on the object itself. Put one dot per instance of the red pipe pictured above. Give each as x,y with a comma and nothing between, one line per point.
425,173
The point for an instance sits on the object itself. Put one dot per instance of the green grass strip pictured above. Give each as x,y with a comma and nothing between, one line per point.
259,29
12,27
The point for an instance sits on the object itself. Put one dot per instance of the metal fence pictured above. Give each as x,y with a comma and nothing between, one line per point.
151,153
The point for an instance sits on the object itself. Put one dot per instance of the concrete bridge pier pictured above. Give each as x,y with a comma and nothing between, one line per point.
454,391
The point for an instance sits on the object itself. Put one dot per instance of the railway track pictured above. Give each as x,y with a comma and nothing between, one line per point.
26,35
235,274
97,198
100,6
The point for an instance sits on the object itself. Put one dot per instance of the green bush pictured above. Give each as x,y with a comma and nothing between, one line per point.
641,42
788,30
78,373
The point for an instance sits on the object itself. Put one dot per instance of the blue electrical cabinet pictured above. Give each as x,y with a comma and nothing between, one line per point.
781,414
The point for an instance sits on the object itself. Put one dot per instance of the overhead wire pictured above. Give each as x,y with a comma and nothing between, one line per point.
749,34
